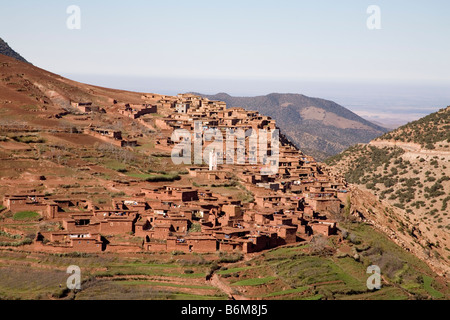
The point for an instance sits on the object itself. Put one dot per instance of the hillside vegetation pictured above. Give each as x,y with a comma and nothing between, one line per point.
409,168
6,50
330,269
426,131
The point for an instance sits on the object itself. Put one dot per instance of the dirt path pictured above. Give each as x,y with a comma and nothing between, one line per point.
216,282
412,149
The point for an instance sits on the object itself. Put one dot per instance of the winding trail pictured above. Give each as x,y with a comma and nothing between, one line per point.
216,282
412,149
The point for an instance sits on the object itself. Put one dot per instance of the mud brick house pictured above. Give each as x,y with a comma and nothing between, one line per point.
286,234
171,193
167,102
64,208
161,209
230,245
316,191
136,111
142,228
72,204
116,221
270,200
25,202
281,219
232,211
54,211
74,241
87,244
155,245
211,175
327,228
103,132
226,221
138,205
151,96
324,204
260,241
84,222
85,107
182,107
194,170
269,186
161,230
228,233
179,224
194,242
259,178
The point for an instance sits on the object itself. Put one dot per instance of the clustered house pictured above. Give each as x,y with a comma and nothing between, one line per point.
285,207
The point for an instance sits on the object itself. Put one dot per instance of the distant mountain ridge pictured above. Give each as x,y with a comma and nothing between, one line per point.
6,50
318,127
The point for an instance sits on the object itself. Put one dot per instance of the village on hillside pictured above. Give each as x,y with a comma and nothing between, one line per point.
284,208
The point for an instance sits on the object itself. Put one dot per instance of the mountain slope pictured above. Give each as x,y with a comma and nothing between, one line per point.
44,154
318,127
409,168
6,50
33,95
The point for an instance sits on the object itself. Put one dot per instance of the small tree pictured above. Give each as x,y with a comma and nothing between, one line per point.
348,207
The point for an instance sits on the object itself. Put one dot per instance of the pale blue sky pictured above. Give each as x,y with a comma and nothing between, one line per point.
277,42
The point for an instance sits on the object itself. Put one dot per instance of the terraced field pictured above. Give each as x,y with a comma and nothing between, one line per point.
337,273
161,276
301,272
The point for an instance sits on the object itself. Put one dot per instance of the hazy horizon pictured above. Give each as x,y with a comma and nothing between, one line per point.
389,104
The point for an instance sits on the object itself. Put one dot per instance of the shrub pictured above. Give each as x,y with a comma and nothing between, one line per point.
230,258
163,178
195,227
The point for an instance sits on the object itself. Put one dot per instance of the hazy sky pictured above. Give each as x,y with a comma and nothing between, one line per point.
244,42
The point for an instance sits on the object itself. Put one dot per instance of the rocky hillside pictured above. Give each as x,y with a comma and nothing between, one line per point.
409,168
318,127
43,150
6,50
